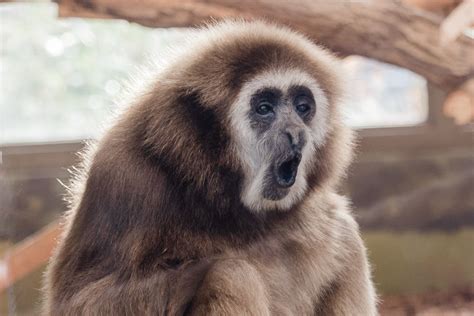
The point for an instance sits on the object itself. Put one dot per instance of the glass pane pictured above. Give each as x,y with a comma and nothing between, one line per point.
382,95
60,77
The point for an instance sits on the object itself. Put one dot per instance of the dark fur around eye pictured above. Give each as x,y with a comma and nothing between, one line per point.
262,108
303,101
265,96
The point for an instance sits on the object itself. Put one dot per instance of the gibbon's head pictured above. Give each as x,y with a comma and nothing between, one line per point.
251,109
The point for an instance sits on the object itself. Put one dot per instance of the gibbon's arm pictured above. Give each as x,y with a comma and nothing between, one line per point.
231,287
352,293
165,292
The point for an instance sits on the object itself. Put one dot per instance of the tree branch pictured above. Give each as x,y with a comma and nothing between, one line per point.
383,30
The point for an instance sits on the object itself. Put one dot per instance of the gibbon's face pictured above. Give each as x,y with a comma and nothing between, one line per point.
279,120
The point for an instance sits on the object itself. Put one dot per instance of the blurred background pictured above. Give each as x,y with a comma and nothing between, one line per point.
64,64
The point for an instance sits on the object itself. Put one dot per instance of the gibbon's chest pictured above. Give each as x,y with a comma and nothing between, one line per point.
295,271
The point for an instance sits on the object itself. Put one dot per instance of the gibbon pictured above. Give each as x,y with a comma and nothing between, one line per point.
215,192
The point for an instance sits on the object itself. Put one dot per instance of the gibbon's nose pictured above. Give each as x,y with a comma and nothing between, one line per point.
296,138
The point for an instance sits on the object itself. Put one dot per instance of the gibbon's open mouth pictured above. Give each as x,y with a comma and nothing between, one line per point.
286,171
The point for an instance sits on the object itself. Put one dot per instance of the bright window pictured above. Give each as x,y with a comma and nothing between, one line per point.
383,95
60,77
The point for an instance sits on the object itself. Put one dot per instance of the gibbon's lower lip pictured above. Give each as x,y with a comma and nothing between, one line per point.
286,171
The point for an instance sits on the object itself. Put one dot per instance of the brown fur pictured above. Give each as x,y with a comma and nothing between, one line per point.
157,226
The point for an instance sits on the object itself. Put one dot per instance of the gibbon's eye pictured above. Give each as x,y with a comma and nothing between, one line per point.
264,108
302,104
302,108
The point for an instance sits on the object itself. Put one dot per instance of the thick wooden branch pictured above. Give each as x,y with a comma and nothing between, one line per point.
442,7
459,104
28,255
383,30
457,21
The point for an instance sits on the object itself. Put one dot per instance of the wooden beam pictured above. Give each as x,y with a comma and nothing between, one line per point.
442,7
459,104
457,21
383,30
28,255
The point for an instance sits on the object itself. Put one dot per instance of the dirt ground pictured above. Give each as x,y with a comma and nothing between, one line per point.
456,302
